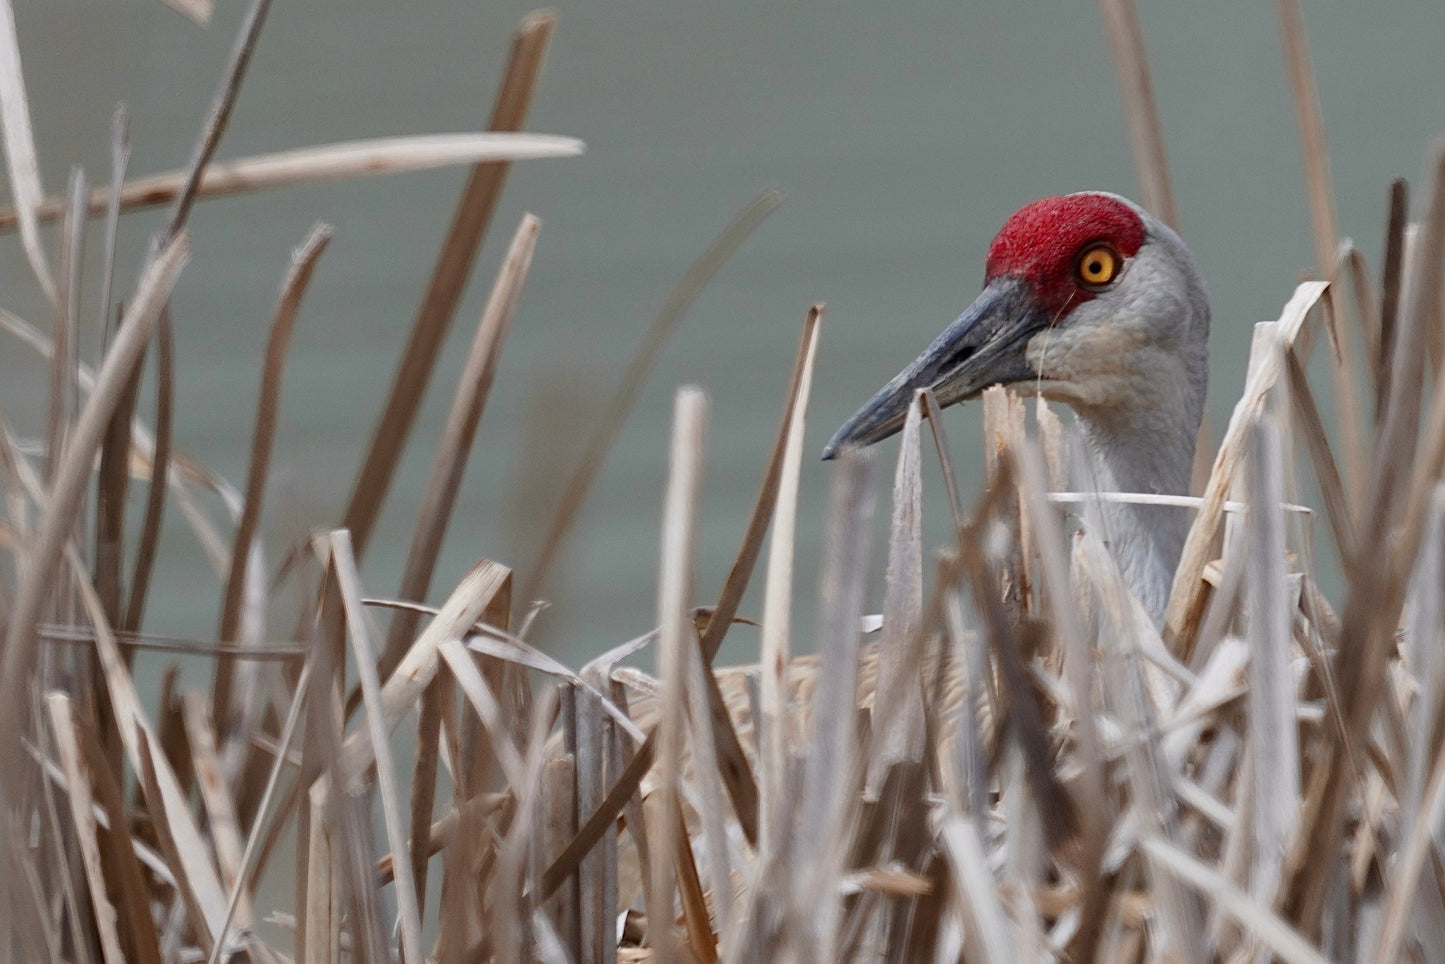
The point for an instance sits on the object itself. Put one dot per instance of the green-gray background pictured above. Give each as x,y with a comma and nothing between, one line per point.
902,134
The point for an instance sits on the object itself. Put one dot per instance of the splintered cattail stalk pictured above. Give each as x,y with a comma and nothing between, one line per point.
1319,185
1078,669
73,475
833,766
66,356
160,459
1391,275
449,276
417,668
357,624
268,402
220,808
773,816
470,399
744,802
1273,747
1256,918
1186,600
1376,578
22,165
679,531
263,808
63,725
897,711
471,395
179,834
1124,624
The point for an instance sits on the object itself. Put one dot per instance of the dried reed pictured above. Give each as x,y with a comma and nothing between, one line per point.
1021,767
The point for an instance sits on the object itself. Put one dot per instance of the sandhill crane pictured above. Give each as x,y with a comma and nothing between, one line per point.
1089,301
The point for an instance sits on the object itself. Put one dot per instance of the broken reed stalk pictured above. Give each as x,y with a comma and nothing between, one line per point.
242,883
63,725
160,459
359,631
1320,189
679,533
22,165
1391,276
65,357
1187,597
220,808
119,160
268,405
74,474
719,621
834,761
897,707
449,276
435,513
473,387
1274,746
1376,585
177,830
112,487
777,600
219,116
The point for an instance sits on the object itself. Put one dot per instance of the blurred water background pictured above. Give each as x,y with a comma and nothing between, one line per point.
902,136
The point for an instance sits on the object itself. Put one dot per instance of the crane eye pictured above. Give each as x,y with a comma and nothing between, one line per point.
1097,266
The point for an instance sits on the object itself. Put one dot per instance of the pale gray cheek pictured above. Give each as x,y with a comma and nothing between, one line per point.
1090,349
1047,355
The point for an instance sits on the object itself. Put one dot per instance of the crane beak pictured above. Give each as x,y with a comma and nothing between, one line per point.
984,346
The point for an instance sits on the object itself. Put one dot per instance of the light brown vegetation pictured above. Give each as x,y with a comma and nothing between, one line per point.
1020,767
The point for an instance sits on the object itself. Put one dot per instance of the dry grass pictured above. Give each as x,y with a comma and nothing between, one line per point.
1020,767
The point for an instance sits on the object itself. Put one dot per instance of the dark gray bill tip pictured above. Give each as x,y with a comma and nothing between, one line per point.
880,417
874,422
981,347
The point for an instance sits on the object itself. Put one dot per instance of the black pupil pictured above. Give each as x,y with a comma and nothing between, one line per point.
1096,267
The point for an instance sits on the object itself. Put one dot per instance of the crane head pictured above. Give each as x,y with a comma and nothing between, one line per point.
1087,300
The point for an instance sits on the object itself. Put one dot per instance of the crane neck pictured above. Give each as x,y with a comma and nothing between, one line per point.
1148,451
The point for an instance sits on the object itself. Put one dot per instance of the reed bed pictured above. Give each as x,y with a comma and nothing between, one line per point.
1011,762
